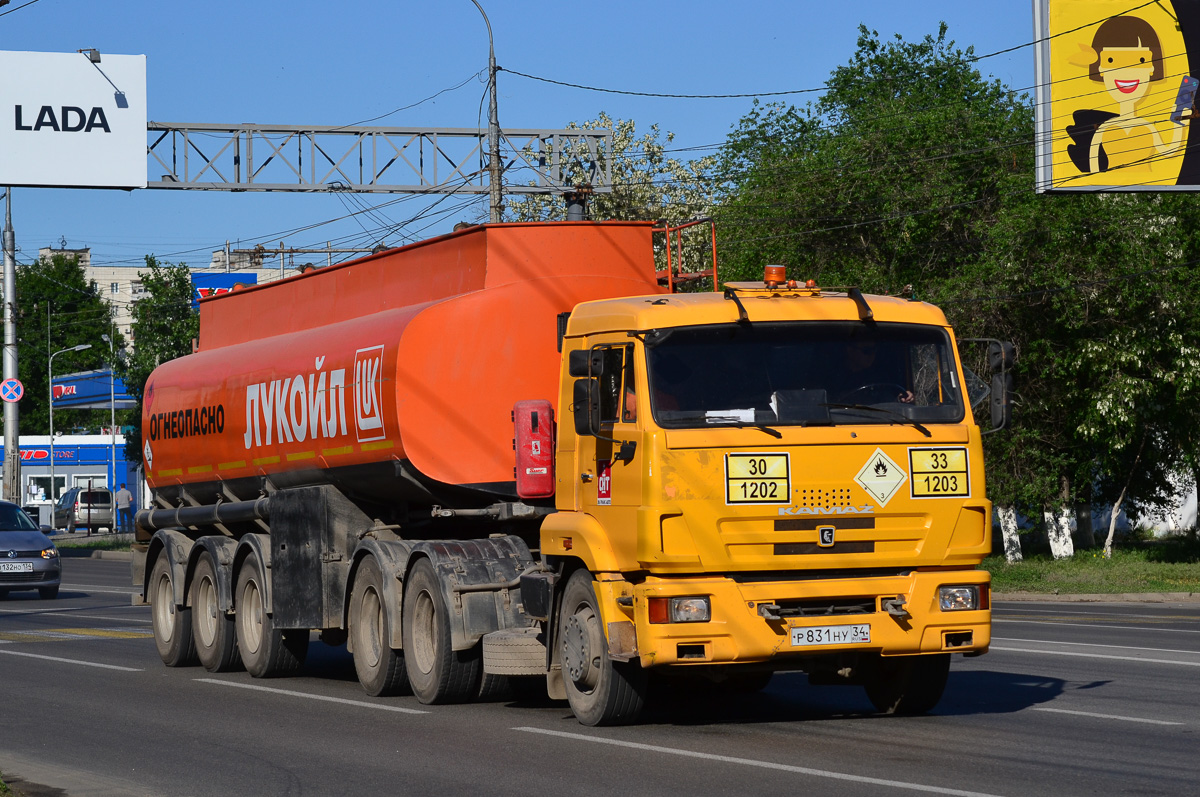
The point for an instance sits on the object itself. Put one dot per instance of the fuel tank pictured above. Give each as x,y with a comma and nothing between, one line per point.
393,376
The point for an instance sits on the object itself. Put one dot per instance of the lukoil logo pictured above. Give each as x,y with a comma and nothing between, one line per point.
368,394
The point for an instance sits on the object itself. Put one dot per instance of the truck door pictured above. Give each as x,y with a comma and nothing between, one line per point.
614,494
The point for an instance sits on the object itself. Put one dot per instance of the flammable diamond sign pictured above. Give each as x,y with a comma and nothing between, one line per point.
881,477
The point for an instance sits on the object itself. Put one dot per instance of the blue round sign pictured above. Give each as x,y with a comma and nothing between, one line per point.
11,390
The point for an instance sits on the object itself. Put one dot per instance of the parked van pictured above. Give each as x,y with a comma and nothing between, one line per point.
91,508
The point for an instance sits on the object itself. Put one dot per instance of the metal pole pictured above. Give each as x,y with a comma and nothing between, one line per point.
50,382
112,401
12,445
493,127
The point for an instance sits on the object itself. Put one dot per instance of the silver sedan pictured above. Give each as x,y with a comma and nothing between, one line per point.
28,559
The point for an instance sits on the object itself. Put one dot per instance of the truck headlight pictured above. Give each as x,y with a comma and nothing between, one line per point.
957,599
680,610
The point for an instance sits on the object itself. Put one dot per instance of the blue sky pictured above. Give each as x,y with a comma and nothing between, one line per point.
325,63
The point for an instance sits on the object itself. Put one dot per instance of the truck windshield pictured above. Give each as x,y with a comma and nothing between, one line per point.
803,373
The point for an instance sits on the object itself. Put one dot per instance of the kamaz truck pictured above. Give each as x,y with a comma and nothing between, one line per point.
509,459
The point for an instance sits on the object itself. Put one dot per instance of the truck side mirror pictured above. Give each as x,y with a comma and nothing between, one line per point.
585,362
585,405
1002,385
1001,355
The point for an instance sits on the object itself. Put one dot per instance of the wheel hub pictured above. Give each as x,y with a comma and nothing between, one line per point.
581,649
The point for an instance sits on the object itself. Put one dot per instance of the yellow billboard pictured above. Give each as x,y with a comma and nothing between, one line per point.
1115,95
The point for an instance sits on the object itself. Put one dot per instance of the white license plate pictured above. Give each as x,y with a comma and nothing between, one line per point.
16,567
859,633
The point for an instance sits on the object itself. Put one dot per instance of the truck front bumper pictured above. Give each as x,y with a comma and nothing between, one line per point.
753,620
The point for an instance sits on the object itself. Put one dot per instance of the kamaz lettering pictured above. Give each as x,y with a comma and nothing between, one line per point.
866,509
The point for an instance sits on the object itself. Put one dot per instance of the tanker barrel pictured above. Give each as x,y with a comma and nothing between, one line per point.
225,512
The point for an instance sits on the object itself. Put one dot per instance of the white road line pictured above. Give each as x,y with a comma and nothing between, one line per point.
72,661
290,693
1104,716
1013,608
1099,656
78,616
1093,625
1094,645
750,762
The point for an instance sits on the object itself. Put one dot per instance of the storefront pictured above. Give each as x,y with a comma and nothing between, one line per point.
79,461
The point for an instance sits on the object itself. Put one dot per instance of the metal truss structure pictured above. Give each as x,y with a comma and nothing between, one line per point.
249,157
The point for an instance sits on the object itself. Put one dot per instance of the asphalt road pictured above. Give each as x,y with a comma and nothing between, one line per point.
1073,699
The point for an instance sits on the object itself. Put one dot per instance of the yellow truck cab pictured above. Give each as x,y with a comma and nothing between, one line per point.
776,477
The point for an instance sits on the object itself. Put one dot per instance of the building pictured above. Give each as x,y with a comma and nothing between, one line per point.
79,461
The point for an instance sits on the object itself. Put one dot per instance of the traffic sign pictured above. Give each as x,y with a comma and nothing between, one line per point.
11,390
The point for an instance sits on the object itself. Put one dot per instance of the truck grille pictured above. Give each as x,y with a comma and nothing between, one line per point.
826,607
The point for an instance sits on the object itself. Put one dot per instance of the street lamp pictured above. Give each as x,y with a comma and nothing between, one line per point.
50,379
112,426
493,127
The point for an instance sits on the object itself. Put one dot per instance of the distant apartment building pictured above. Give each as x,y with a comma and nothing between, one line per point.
122,285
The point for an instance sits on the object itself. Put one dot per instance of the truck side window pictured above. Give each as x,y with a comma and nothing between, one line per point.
610,383
629,414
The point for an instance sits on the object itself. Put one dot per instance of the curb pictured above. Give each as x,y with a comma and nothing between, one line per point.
1112,597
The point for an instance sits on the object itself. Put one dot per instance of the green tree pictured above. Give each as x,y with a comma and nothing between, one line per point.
648,185
58,310
164,326
913,169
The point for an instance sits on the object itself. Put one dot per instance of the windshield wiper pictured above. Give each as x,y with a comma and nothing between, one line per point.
890,413
743,425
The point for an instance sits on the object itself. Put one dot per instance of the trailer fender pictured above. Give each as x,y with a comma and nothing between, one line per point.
222,550
580,536
260,546
481,584
176,547
392,557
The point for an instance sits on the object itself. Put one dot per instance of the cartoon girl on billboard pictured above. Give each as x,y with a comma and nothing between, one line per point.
1125,55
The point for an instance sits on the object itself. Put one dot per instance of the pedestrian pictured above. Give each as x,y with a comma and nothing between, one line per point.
125,519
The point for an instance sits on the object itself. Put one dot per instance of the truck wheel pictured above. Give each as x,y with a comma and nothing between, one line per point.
266,651
906,684
172,624
380,667
599,690
436,673
216,637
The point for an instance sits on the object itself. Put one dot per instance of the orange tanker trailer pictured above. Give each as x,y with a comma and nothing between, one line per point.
370,451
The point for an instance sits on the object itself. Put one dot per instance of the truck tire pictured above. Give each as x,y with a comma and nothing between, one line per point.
266,651
906,684
380,667
436,672
599,690
172,624
214,630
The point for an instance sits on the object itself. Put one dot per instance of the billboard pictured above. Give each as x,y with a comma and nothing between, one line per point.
70,121
1115,94
90,390
205,284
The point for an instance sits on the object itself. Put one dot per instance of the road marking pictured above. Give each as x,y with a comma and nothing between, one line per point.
290,693
71,661
750,762
1099,656
1093,625
1105,716
1095,645
1024,610
75,633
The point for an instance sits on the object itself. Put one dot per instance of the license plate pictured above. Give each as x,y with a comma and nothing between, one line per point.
859,633
16,567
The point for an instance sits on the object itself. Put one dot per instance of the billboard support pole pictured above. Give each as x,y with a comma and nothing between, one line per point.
12,447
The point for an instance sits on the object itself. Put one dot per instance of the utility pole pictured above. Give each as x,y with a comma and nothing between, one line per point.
12,444
493,128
